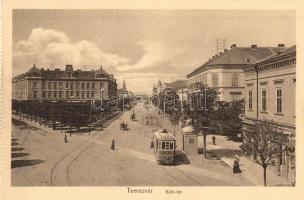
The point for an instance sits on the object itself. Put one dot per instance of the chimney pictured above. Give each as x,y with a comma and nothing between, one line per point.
69,68
254,46
233,46
281,45
225,50
42,69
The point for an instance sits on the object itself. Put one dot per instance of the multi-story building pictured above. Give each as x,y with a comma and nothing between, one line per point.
270,95
225,71
41,84
270,90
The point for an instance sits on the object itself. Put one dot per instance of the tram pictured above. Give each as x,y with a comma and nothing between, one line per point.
164,147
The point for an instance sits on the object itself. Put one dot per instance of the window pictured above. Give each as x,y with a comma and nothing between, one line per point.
167,145
250,100
235,97
205,79
264,100
44,94
35,94
88,94
163,145
92,94
171,145
82,85
55,94
60,85
191,140
235,80
67,95
82,95
159,145
279,100
55,85
88,85
49,94
60,94
77,85
93,85
35,85
72,94
49,85
43,85
72,86
77,94
214,80
67,85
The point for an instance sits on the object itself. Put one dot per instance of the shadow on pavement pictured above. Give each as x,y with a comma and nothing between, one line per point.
181,158
17,149
25,163
16,155
226,152
15,143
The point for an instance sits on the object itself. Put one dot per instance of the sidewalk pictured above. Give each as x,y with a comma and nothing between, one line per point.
226,150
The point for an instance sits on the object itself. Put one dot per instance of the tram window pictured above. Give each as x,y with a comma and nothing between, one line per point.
159,145
167,145
163,145
171,145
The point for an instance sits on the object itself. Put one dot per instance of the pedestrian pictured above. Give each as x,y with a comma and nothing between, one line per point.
113,145
152,144
65,138
236,165
213,140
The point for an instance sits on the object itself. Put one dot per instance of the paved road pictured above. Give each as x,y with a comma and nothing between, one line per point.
87,160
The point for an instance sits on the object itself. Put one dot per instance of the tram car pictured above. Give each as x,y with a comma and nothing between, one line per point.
164,147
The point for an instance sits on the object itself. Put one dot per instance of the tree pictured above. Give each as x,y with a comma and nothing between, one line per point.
262,140
228,116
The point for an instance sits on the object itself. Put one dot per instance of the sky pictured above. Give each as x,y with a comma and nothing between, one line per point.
140,46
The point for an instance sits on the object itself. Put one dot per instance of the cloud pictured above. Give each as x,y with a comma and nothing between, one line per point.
155,52
50,47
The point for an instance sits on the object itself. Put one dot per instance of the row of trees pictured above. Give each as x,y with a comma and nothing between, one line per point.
263,139
67,113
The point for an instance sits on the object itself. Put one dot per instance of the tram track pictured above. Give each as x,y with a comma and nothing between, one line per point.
173,176
86,144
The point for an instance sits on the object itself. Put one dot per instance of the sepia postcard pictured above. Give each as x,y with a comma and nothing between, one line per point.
135,100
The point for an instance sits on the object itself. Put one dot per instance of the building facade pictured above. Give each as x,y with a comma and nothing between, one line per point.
41,84
225,71
123,92
271,90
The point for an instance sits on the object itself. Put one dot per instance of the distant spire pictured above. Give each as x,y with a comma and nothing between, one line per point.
124,85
